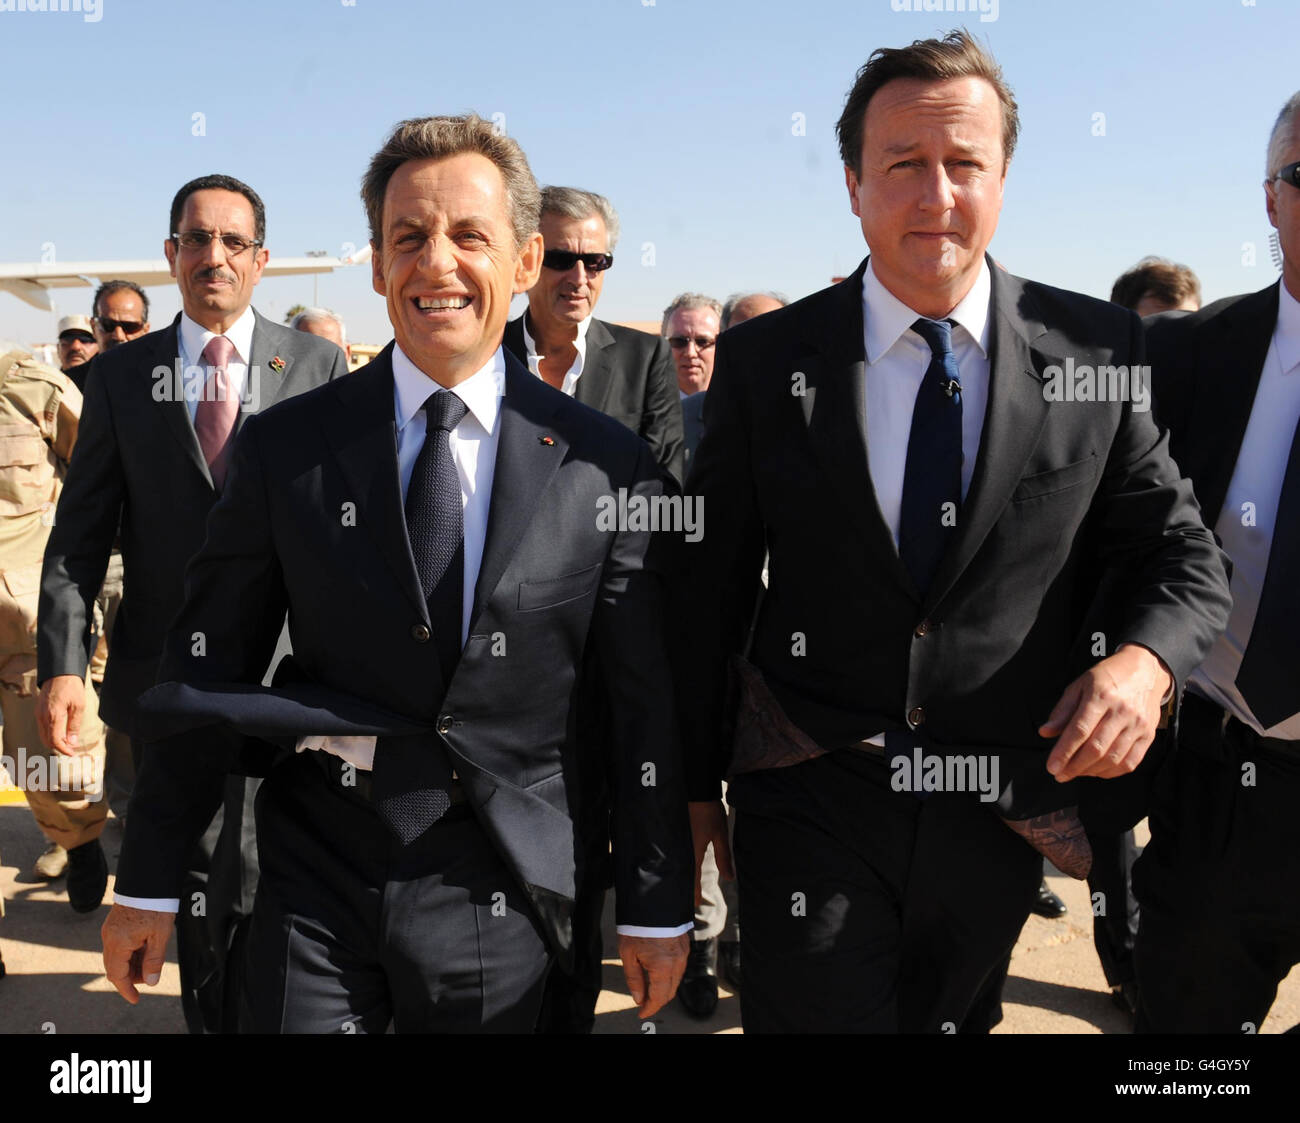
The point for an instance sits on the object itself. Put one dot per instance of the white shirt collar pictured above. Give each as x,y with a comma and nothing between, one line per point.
580,343
481,392
195,337
1286,335
887,317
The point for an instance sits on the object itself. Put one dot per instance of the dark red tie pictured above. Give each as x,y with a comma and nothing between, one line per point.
214,420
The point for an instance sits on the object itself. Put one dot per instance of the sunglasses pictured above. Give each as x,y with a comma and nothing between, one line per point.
1291,173
201,239
131,327
564,260
76,337
680,342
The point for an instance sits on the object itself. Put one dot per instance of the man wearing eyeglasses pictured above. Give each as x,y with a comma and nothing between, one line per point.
622,372
156,434
1219,884
691,326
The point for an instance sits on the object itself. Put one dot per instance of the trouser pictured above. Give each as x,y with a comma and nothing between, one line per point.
65,793
119,768
353,932
569,1001
866,909
718,913
1219,883
1114,908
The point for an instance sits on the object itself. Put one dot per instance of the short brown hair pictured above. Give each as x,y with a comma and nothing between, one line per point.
1166,281
437,138
956,55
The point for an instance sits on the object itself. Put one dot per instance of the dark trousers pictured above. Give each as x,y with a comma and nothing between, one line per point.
216,907
1219,883
867,910
1115,922
352,932
569,1004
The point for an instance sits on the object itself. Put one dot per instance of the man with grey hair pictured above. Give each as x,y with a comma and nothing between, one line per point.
1220,881
326,324
624,373
691,325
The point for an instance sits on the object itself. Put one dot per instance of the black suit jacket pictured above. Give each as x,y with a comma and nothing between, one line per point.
693,423
627,375
552,583
138,461
1061,491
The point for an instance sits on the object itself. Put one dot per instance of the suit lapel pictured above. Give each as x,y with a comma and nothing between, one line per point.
175,409
362,431
262,363
529,453
1013,421
597,372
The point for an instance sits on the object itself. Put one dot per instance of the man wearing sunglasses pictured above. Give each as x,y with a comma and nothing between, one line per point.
157,431
1219,883
624,373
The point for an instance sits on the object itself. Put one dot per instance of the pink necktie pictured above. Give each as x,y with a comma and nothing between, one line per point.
214,420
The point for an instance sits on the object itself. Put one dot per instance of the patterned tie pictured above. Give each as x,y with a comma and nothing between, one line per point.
412,776
932,481
1269,678
214,420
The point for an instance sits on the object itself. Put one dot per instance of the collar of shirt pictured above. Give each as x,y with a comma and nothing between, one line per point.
580,343
1286,334
886,317
481,392
194,337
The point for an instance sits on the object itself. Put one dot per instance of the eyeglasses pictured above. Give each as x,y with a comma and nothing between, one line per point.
76,337
564,260
130,327
1291,173
200,239
702,342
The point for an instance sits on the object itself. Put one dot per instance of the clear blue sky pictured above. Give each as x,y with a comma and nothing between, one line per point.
681,112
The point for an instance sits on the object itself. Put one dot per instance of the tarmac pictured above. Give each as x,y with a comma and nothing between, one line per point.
55,981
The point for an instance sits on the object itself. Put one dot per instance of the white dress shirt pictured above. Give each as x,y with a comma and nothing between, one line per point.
1257,480
574,372
194,337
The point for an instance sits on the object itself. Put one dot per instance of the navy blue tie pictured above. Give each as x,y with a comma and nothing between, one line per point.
412,776
932,481
1269,678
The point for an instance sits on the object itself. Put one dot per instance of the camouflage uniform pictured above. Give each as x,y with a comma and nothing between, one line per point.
39,412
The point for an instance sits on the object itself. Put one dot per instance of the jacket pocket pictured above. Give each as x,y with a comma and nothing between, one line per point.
534,595
1057,479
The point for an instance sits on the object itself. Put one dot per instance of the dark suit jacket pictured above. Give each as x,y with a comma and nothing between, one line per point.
1205,367
552,583
627,375
693,423
138,460
1061,491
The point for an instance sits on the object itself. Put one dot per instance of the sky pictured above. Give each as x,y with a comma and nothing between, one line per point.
708,123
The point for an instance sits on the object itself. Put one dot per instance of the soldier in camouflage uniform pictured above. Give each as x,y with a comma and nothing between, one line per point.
39,411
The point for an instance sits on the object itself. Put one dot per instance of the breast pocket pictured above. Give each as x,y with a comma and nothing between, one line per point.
535,595
1056,480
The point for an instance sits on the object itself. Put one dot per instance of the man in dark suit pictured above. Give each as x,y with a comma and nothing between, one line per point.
1219,883
935,510
159,422
624,373
440,527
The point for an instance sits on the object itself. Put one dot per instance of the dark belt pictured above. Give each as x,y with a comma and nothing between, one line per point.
359,782
1207,728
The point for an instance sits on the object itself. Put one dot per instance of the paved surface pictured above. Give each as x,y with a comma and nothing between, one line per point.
55,977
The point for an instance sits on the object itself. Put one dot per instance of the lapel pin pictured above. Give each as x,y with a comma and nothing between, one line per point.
547,440
277,364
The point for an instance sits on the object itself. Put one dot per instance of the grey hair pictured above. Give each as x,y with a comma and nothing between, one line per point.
729,308
315,316
685,302
1283,134
573,202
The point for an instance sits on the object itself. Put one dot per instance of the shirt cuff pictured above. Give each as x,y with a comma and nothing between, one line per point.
148,904
653,933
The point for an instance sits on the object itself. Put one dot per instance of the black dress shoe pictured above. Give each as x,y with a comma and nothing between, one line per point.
87,876
729,963
698,992
1048,904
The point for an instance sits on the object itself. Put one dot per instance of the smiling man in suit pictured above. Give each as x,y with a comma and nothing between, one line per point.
432,524
159,421
935,523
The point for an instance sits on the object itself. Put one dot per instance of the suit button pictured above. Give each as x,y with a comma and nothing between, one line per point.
922,628
444,723
420,633
915,716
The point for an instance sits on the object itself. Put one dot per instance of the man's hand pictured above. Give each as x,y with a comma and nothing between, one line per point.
1107,717
653,967
135,944
709,824
58,713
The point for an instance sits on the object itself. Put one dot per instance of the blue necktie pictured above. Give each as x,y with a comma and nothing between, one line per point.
932,481
412,776
1269,678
